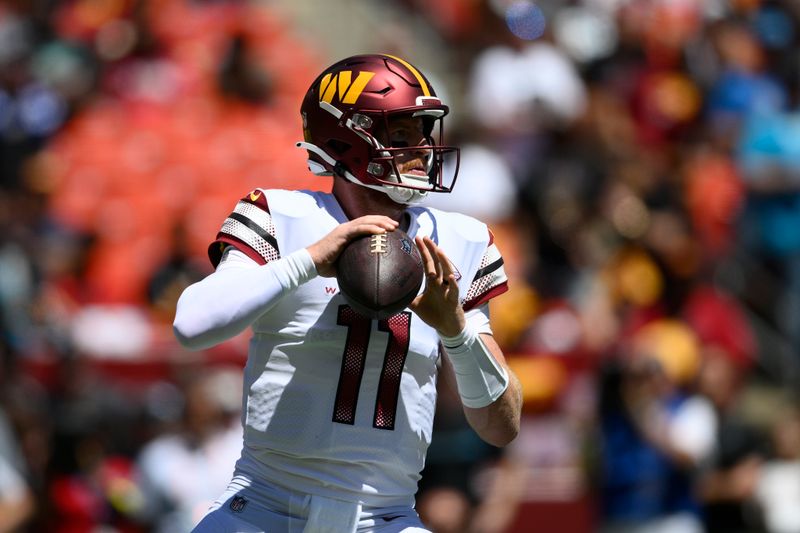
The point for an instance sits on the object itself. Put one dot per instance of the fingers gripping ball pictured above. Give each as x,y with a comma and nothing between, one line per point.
379,275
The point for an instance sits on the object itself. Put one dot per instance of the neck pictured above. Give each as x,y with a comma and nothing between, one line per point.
357,201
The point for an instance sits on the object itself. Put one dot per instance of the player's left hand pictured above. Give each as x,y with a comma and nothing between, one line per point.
438,306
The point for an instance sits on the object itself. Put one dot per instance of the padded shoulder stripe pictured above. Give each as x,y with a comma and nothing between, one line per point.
256,219
490,280
254,239
250,228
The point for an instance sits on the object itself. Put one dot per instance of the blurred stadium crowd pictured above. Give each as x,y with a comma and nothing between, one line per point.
638,161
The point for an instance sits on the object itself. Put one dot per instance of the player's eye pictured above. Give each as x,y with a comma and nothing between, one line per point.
399,138
403,137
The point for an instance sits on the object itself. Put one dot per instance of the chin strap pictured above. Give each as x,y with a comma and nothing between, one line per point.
402,195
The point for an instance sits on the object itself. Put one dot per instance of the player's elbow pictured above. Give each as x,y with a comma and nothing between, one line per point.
497,435
497,429
187,330
508,434
185,335
503,434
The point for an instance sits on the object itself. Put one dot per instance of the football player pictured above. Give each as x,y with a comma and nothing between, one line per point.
338,409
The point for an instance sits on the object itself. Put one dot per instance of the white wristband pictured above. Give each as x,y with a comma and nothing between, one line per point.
480,378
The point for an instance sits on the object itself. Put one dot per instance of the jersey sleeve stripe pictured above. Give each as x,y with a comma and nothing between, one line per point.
488,269
481,299
255,228
489,281
217,248
250,228
257,214
234,228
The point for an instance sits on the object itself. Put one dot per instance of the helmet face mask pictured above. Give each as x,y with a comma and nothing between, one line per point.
389,156
350,115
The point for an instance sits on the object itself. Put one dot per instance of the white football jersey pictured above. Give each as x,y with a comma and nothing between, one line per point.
334,403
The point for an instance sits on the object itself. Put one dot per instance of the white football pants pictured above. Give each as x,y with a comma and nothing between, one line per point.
234,512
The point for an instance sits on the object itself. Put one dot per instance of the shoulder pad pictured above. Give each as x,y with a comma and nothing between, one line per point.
293,204
249,227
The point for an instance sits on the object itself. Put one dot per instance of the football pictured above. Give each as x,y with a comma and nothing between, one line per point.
379,275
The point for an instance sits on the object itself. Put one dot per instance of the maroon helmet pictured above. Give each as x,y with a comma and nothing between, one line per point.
346,113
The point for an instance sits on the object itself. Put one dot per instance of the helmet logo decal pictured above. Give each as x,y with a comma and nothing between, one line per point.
341,83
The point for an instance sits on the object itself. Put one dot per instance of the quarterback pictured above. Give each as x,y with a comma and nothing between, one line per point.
338,408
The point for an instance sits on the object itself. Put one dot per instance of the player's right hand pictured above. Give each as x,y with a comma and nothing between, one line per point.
438,306
325,251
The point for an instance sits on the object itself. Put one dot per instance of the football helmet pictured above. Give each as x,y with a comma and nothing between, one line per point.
347,113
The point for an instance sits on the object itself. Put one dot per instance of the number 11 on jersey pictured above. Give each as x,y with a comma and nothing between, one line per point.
354,357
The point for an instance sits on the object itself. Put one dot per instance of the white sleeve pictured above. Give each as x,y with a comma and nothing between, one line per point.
230,299
479,318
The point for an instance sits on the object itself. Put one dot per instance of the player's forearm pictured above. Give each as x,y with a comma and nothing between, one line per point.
498,423
228,301
489,391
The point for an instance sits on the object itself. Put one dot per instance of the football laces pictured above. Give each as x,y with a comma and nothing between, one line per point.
378,244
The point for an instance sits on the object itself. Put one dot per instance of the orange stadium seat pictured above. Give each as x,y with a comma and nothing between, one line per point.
131,169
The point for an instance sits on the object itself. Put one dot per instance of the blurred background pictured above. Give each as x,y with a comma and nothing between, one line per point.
637,160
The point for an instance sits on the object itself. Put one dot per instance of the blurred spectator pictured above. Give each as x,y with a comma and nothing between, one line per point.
30,111
744,86
517,90
168,281
447,496
769,158
714,196
16,499
727,485
542,477
445,509
655,433
524,88
644,162
487,177
25,446
91,480
17,291
778,489
184,470
17,502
